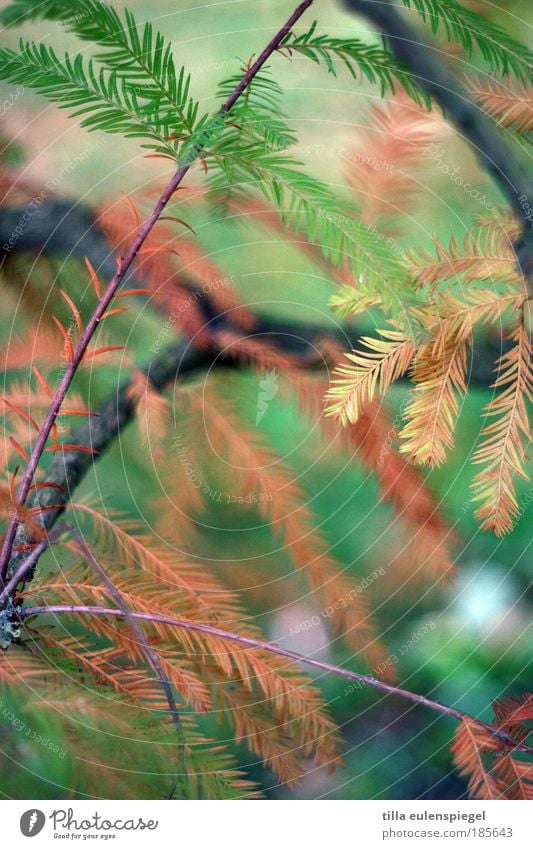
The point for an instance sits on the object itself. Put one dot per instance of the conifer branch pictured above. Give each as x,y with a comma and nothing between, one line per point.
494,155
137,92
104,302
185,624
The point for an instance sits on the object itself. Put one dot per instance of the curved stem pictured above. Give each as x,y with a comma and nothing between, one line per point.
250,642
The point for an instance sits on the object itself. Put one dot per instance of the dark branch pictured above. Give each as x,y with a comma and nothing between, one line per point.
495,156
58,227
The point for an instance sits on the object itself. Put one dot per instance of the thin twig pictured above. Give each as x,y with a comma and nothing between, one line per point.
104,302
250,642
271,47
117,596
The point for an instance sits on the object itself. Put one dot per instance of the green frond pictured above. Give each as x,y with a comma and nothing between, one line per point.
104,101
20,11
484,254
501,52
139,56
371,61
308,207
433,406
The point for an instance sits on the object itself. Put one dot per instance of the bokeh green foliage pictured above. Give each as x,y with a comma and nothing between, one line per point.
478,647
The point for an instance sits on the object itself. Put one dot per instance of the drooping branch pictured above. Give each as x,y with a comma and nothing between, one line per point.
123,267
493,153
250,642
81,546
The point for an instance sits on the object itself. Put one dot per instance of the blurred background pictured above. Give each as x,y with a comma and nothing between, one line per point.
466,644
